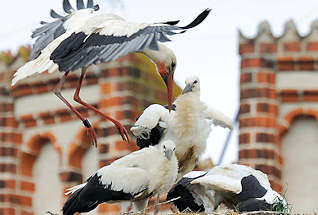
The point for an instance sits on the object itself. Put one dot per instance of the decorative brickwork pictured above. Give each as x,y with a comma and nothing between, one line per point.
278,83
31,116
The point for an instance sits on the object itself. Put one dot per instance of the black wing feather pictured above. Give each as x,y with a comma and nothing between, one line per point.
90,4
155,136
55,15
67,7
65,54
91,195
80,4
49,31
187,200
45,35
199,19
251,188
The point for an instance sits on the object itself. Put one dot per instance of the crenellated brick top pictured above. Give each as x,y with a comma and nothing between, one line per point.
288,43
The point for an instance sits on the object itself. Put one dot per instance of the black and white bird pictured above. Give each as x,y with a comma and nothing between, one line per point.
130,178
83,38
236,186
189,125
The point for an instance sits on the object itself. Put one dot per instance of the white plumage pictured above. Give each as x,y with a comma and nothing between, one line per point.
237,186
188,126
131,177
228,177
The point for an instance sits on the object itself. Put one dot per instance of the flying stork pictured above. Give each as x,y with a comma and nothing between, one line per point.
82,38
236,186
188,126
130,178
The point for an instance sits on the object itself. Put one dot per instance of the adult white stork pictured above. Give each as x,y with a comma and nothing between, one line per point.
237,186
188,126
130,178
83,38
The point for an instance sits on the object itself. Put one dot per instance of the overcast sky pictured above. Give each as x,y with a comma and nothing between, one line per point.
209,50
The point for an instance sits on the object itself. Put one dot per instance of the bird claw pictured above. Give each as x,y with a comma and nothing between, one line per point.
123,133
91,132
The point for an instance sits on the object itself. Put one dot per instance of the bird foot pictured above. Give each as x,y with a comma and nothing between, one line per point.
123,133
90,132
141,131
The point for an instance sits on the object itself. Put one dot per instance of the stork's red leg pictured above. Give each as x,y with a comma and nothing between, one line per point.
57,92
122,130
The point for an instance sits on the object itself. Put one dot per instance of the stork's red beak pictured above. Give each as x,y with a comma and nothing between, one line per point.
168,79
169,84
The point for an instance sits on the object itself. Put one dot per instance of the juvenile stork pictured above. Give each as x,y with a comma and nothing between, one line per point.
82,38
236,186
130,178
188,126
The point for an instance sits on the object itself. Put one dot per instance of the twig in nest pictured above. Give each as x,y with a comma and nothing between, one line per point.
165,202
161,203
51,213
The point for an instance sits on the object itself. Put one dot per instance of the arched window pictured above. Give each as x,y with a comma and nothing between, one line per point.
48,187
300,169
39,166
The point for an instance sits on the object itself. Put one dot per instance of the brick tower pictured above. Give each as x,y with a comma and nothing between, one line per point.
278,103
44,147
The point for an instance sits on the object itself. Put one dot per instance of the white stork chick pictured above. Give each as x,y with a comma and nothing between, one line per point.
130,178
237,186
188,126
83,38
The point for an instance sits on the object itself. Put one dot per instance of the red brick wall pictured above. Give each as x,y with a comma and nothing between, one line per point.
10,140
262,120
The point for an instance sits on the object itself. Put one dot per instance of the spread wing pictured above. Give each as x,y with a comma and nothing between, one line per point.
51,30
107,37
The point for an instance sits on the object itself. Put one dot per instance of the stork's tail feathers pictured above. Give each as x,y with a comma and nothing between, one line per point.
75,204
38,65
198,20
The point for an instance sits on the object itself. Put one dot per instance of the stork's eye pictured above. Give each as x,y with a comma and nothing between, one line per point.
195,82
164,146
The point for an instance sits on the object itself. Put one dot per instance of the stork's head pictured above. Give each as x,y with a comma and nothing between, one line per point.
192,85
166,62
168,148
